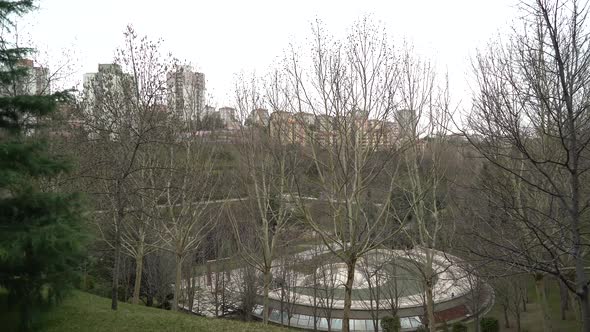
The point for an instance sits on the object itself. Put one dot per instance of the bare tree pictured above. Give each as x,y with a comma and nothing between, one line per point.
349,88
426,163
138,237
287,282
267,176
158,279
327,288
188,184
510,292
374,270
530,121
390,291
122,112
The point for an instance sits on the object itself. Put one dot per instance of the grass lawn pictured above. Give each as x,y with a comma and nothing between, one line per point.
86,312
531,320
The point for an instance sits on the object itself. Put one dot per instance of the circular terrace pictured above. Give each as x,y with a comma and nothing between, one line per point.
385,281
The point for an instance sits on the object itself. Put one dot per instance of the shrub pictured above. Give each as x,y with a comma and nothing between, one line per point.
459,327
489,324
391,324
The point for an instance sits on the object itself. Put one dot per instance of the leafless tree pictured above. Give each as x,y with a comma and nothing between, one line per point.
138,235
122,113
287,282
327,288
530,120
267,177
158,279
510,292
187,183
378,278
349,89
426,115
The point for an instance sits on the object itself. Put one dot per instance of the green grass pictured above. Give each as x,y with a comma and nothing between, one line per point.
86,312
531,320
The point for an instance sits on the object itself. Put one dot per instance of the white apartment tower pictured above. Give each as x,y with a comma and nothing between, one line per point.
35,82
108,84
107,97
109,77
186,92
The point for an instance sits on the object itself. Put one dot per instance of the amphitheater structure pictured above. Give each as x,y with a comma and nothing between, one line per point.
456,296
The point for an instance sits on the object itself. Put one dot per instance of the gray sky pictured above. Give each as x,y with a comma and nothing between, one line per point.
223,37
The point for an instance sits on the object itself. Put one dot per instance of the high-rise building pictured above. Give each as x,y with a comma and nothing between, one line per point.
406,121
283,127
35,82
207,111
186,92
229,118
107,83
106,97
109,76
259,117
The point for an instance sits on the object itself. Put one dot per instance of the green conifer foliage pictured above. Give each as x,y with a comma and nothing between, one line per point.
41,233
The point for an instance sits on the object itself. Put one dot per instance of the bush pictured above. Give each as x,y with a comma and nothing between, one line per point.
459,327
489,324
390,324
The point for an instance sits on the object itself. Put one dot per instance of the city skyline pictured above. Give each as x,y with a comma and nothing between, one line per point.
226,40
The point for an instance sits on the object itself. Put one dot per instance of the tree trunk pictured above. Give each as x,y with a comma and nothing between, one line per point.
585,309
223,298
518,328
115,280
283,301
208,274
574,211
315,300
138,273
267,280
177,285
575,305
126,276
216,292
150,300
85,278
506,320
191,292
430,305
542,299
351,264
563,299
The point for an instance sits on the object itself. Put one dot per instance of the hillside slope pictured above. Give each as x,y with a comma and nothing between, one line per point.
86,312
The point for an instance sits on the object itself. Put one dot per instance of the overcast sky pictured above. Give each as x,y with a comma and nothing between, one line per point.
222,37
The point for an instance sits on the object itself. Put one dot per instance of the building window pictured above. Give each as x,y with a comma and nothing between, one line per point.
275,315
323,323
337,324
257,310
304,320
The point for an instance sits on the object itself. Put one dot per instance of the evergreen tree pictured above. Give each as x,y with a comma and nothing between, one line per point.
41,237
